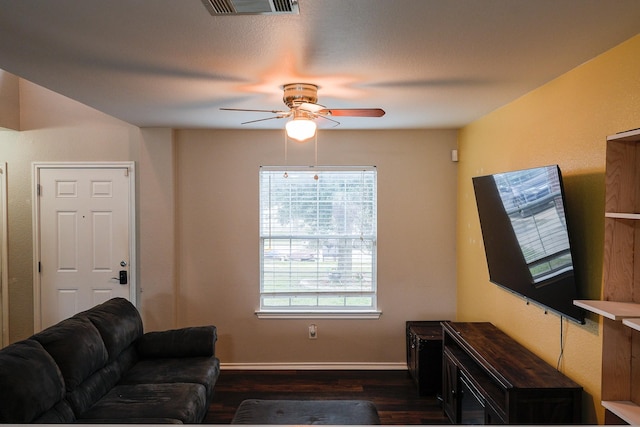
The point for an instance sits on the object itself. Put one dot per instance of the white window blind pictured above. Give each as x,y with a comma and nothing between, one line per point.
318,239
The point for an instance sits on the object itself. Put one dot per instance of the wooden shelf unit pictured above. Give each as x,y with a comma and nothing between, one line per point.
620,307
629,412
632,323
613,310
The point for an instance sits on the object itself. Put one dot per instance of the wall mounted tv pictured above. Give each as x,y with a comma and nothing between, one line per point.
526,239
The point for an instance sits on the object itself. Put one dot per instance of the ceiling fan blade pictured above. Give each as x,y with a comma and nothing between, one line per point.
262,120
256,111
320,116
312,108
352,112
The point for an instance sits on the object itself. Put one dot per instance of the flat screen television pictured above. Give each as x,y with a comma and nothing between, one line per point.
526,238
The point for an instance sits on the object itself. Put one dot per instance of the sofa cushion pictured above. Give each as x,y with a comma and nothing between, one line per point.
77,348
25,366
179,401
185,342
198,370
118,322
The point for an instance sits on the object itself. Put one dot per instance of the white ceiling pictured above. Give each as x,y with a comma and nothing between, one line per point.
428,63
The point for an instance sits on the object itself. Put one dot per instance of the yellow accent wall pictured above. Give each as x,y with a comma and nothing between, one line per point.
564,122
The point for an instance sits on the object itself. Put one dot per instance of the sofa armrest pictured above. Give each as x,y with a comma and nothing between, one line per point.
185,342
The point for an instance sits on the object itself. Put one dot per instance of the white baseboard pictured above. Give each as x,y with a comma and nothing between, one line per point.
329,366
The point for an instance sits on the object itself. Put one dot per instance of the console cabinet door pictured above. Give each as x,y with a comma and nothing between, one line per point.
450,387
491,416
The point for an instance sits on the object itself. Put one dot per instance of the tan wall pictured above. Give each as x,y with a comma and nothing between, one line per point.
54,128
156,230
565,122
218,250
9,101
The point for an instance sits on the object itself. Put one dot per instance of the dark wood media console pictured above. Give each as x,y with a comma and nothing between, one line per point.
488,378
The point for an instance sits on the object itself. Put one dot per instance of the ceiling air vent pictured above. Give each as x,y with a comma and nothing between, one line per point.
251,7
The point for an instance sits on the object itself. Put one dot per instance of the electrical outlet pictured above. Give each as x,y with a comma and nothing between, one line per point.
313,332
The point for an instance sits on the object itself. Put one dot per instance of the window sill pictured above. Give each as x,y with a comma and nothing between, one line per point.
372,315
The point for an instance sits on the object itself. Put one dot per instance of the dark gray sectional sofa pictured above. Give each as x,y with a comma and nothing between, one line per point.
99,367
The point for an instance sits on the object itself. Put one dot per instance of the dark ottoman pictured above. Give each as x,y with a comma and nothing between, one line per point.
305,412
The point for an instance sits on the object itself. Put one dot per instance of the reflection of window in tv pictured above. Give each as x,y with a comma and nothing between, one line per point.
533,202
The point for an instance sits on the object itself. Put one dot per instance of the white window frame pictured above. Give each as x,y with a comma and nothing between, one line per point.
268,235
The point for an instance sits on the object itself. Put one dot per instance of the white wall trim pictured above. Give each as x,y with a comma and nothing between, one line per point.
330,366
371,315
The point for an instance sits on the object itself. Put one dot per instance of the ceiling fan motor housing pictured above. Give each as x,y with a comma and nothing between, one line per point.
298,93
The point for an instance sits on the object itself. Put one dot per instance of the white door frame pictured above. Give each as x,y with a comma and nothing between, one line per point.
133,265
4,258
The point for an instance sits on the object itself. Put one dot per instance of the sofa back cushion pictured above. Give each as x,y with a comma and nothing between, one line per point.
194,341
30,382
100,382
119,323
77,348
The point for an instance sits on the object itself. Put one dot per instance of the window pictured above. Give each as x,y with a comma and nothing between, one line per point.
318,240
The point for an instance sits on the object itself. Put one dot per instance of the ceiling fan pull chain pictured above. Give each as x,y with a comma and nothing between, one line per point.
316,154
286,175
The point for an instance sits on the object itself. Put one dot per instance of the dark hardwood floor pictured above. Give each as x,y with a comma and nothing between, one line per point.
393,392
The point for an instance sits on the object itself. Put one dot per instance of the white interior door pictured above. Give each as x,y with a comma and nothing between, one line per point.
85,238
4,257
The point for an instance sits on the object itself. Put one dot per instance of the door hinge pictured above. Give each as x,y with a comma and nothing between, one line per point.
39,189
126,171
39,267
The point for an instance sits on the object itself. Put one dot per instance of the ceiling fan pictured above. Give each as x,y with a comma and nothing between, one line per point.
301,99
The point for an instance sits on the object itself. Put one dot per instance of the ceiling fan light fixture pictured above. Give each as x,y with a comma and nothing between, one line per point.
300,128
